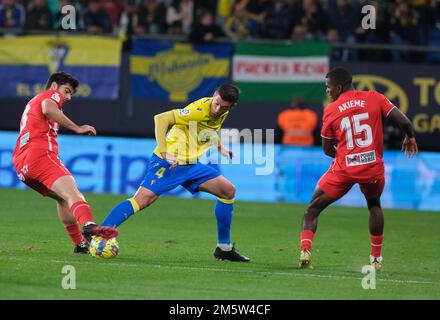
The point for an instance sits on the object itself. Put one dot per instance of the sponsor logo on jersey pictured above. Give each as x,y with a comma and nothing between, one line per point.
56,97
358,159
184,112
24,139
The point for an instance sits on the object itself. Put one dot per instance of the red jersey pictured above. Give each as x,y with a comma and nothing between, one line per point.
355,120
36,131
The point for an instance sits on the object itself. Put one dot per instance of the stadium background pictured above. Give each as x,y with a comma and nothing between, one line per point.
130,74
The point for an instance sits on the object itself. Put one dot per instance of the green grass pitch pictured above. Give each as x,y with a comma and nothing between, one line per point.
166,253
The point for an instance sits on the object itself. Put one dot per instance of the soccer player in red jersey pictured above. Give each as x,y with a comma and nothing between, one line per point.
352,134
36,161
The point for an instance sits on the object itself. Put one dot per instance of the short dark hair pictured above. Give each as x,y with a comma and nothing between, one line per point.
229,92
340,76
61,78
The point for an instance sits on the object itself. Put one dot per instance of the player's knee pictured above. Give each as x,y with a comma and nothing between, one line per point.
320,202
373,203
144,199
315,207
71,196
311,213
229,192
76,196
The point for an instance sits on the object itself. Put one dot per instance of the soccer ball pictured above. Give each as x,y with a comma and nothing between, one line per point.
103,248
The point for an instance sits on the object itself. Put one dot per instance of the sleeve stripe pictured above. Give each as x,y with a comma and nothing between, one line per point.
390,110
328,137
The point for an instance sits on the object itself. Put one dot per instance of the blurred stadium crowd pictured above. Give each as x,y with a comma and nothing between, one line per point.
398,21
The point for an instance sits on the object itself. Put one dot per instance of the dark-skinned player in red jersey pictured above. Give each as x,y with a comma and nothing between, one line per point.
352,134
36,161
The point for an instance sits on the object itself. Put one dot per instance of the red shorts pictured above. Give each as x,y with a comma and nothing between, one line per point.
336,186
39,169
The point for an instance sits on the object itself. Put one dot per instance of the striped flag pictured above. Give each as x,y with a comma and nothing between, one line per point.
27,61
277,72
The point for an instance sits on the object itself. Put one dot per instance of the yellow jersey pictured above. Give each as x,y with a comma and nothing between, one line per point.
194,132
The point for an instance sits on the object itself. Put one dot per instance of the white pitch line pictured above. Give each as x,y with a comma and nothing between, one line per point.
297,274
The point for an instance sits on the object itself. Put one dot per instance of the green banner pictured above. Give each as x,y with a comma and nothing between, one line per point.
278,72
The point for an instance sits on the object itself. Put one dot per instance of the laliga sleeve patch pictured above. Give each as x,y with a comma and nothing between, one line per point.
183,112
56,97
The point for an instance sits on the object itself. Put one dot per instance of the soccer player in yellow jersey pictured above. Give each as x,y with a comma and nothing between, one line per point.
194,130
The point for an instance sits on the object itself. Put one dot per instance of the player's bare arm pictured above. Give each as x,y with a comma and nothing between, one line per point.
329,147
162,122
225,151
409,145
51,111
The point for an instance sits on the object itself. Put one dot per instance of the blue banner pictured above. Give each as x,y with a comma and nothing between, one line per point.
269,173
27,62
172,71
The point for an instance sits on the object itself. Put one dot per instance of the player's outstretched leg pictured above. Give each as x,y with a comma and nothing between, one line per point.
70,223
225,192
124,210
66,189
376,226
309,225
72,227
121,212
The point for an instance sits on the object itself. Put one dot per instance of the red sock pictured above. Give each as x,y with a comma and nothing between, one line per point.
81,211
306,240
74,233
376,245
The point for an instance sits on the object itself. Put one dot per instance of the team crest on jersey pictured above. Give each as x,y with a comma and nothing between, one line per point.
56,97
184,112
358,159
